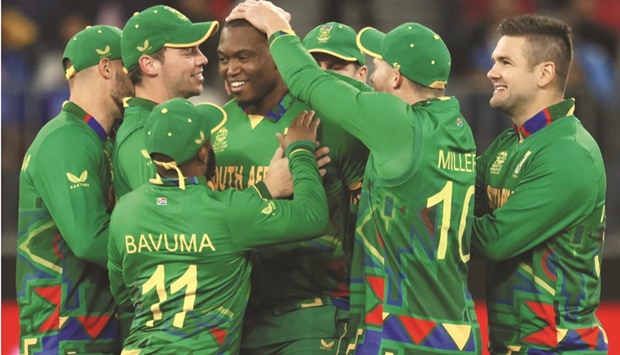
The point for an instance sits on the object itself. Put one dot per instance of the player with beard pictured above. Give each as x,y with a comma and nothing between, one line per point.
65,198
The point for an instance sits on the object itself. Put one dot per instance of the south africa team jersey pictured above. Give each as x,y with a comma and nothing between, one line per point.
301,275
179,256
133,166
65,305
541,199
409,274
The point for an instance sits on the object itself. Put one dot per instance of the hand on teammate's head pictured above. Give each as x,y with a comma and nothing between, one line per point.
263,15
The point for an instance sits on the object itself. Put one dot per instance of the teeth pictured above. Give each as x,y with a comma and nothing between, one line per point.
236,84
198,76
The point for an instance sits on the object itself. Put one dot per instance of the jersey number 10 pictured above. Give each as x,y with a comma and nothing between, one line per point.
445,196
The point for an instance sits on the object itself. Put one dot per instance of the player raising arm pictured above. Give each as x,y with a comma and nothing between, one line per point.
409,273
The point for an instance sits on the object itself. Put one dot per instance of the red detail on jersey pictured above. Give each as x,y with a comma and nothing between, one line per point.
418,329
548,334
375,315
342,290
51,294
589,336
380,240
94,325
403,209
427,222
547,116
219,335
544,265
56,245
377,284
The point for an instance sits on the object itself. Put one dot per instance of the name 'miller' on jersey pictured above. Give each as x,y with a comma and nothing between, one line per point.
232,176
175,243
448,160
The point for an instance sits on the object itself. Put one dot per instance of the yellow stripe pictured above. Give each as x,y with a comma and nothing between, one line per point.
367,244
343,57
364,49
38,259
214,26
538,280
224,116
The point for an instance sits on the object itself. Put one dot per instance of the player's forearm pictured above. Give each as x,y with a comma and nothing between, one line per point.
309,197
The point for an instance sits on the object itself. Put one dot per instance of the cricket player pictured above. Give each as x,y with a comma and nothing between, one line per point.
540,201
300,292
161,54
178,249
333,46
409,275
65,196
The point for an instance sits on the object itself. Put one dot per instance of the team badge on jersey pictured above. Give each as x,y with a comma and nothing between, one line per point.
496,168
269,209
78,181
220,140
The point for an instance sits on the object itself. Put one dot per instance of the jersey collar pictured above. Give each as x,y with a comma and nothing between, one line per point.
189,180
279,110
545,117
137,101
91,121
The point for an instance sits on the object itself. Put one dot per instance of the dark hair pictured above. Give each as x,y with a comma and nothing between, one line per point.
241,23
136,74
549,40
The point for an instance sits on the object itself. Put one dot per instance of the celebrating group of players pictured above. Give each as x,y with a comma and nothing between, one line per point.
311,213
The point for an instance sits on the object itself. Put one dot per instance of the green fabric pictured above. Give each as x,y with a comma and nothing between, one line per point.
191,246
416,51
541,204
90,45
178,129
302,274
132,164
308,331
409,273
336,39
161,26
62,284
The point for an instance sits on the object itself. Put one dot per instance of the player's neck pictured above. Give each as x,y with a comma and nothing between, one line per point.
98,104
270,101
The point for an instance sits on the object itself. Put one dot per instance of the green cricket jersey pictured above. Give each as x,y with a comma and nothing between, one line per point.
409,275
179,256
63,290
541,202
311,274
133,166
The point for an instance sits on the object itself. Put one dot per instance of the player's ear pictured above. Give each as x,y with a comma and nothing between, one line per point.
148,65
362,73
104,68
546,73
397,79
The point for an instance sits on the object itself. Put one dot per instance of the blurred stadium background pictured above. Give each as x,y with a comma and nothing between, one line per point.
34,33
